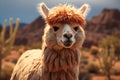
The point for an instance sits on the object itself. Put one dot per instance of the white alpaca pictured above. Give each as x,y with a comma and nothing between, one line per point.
60,55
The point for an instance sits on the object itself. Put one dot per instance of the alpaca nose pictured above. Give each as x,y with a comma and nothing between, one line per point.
67,35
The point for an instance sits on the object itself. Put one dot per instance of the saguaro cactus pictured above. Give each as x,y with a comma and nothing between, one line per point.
7,44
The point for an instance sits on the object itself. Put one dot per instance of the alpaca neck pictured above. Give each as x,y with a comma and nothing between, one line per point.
64,59
60,65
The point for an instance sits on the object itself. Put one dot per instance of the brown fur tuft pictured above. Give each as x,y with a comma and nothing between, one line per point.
65,14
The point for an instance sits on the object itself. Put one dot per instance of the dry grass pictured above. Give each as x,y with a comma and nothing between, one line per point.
117,66
105,78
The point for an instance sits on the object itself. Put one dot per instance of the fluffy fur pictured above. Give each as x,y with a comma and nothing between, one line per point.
53,62
65,14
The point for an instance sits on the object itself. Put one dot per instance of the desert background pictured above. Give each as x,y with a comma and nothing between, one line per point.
100,54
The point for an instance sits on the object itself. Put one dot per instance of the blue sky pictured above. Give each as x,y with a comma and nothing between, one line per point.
26,10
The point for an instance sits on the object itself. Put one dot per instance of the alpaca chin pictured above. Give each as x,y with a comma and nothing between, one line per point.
68,44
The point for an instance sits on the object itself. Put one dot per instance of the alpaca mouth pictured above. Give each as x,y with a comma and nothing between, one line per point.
67,43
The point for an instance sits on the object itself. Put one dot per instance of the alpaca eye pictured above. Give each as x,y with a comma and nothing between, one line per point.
76,28
55,28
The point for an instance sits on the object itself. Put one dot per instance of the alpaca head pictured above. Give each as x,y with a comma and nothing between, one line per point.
64,26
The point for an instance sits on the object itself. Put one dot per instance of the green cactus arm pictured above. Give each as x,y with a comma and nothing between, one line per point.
11,26
2,34
14,32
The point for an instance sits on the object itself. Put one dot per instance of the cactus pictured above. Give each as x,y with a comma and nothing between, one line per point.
7,44
107,60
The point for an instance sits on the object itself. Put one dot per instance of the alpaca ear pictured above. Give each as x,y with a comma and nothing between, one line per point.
84,9
43,9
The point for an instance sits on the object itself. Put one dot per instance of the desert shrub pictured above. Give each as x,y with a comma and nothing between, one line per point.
107,60
7,69
84,54
114,41
84,76
94,50
84,58
36,45
21,49
116,72
92,68
14,61
84,61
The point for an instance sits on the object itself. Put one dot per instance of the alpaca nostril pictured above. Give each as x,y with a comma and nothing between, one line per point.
67,35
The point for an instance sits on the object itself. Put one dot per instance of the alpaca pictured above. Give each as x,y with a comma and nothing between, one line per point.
60,55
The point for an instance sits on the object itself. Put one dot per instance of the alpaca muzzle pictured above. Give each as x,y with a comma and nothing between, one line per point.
67,43
68,40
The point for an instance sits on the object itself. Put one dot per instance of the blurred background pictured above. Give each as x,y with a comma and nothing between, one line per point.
100,55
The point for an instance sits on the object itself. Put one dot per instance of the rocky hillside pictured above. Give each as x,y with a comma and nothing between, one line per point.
31,33
106,23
